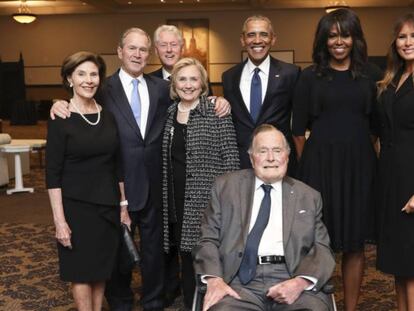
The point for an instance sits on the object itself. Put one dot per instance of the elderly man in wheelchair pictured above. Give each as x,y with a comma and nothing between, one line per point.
263,244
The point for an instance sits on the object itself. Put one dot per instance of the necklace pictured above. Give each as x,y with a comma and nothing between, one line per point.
83,117
185,110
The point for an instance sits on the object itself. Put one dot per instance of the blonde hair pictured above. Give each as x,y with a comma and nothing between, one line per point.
395,62
185,62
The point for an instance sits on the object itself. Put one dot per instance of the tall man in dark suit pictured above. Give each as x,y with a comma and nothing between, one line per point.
263,245
262,95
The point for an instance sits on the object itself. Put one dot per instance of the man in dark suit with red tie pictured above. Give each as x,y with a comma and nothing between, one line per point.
260,89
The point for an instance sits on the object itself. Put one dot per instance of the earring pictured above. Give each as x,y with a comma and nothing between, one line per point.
70,84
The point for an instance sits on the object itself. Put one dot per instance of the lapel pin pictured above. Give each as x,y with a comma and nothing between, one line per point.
277,76
302,211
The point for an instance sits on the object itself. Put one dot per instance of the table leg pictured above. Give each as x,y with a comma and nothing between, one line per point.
18,187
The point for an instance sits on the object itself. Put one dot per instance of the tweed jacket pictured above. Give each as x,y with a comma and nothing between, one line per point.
211,150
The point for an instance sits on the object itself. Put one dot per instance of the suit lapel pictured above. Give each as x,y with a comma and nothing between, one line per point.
237,93
272,85
289,208
246,201
117,93
153,102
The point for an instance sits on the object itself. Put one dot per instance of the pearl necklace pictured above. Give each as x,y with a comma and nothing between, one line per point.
185,110
83,117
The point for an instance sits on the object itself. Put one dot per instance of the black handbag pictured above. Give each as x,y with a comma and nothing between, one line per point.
128,254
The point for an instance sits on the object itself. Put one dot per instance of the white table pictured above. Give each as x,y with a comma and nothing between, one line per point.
36,145
17,150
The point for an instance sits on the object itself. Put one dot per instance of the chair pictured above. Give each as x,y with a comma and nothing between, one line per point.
201,289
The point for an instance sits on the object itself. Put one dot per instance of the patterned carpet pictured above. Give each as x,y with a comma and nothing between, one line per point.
29,270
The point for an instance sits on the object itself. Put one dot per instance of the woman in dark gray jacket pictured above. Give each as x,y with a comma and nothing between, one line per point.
197,147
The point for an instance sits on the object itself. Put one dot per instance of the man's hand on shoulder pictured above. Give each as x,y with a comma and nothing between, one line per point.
221,106
288,292
216,290
60,108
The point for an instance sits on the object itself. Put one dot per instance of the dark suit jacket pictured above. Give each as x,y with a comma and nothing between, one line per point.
225,226
276,108
141,157
158,73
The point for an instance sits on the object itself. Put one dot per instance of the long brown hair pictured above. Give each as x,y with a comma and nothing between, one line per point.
395,62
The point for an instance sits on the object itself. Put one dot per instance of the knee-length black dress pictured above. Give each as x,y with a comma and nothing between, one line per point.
338,158
83,161
395,251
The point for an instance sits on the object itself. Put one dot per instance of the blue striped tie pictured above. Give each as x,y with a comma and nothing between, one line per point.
136,102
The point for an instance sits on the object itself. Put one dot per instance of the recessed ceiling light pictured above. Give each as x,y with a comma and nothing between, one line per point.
181,1
129,2
163,1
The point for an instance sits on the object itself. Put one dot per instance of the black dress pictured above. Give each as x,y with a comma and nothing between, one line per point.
338,158
82,160
395,251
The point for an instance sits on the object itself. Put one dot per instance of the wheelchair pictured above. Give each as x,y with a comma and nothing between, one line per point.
201,289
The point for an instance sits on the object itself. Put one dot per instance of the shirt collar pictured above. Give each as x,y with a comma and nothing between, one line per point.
165,74
264,66
258,183
126,78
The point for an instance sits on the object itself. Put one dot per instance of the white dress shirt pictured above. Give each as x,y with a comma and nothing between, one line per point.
246,79
126,81
165,74
272,238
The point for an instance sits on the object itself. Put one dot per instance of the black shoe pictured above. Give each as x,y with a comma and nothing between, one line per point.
170,298
119,305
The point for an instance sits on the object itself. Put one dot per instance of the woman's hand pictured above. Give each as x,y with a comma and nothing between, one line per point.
125,219
63,234
409,207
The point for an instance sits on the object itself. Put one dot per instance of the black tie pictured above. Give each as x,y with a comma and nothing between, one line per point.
255,95
248,265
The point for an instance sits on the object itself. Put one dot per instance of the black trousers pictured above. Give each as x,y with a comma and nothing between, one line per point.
118,290
180,262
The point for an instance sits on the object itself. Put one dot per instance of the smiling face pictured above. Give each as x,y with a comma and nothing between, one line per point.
188,84
405,42
339,46
257,39
134,53
85,80
168,48
269,156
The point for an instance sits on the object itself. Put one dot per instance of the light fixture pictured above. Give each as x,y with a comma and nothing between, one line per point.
24,16
335,5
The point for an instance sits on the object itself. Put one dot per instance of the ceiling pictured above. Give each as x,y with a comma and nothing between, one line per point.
8,7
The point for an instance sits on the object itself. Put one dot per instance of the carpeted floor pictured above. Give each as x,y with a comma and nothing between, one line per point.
28,258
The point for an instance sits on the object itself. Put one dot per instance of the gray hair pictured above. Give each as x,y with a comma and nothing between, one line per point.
257,18
130,30
168,28
267,128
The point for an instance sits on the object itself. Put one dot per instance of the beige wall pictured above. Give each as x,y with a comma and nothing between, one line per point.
46,42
